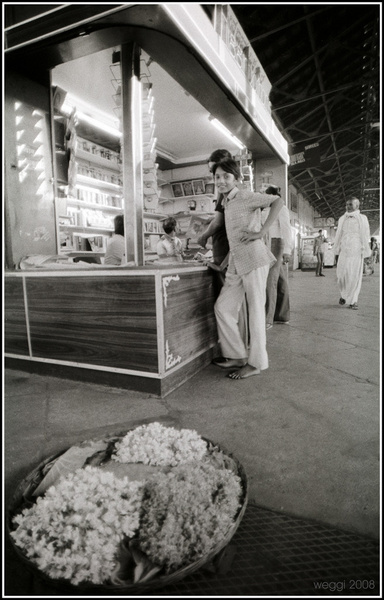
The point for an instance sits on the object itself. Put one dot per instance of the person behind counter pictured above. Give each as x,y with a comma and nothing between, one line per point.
170,247
280,244
216,228
115,254
248,268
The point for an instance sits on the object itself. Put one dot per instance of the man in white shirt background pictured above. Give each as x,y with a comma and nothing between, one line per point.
318,251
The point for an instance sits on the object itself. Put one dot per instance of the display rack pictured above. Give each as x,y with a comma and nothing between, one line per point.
151,193
193,202
85,213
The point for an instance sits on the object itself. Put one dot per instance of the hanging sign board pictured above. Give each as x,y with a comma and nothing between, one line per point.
308,158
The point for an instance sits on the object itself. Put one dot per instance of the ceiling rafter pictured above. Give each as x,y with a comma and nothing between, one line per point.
316,96
322,88
305,116
321,92
318,51
345,150
285,26
324,135
367,140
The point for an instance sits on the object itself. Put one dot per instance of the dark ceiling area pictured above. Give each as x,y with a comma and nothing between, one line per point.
323,63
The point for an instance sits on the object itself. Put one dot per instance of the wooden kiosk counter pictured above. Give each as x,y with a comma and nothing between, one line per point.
114,110
143,328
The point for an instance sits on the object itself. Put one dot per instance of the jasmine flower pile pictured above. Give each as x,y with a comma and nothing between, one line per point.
76,530
186,512
155,444
72,532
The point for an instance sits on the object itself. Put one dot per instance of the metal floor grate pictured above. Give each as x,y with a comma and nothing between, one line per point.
276,554
271,554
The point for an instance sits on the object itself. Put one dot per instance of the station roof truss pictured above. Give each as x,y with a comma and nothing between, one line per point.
323,64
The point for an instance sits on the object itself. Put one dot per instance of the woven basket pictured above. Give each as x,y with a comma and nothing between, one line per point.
30,483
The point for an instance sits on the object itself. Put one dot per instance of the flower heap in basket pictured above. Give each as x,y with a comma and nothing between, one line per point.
129,509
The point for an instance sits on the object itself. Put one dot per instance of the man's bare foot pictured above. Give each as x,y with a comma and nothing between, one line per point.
229,363
245,371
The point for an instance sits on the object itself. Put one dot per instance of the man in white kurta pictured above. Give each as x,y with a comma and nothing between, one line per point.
352,246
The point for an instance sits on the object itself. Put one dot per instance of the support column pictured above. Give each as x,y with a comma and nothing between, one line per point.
132,152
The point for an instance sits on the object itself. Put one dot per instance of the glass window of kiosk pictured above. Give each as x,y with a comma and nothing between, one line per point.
87,140
177,137
106,136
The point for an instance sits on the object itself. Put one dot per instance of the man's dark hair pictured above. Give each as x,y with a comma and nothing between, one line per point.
273,189
119,224
169,225
229,166
219,155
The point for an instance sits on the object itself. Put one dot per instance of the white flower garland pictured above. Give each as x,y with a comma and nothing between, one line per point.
74,530
155,444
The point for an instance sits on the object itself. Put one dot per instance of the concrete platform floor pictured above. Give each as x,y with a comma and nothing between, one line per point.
307,430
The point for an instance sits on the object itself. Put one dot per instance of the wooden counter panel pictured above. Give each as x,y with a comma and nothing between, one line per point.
95,320
15,326
179,376
189,320
124,381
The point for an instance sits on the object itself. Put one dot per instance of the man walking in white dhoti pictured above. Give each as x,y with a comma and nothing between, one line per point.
352,246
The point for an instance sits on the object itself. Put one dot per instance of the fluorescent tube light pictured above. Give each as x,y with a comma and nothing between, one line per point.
100,119
220,127
99,125
86,179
